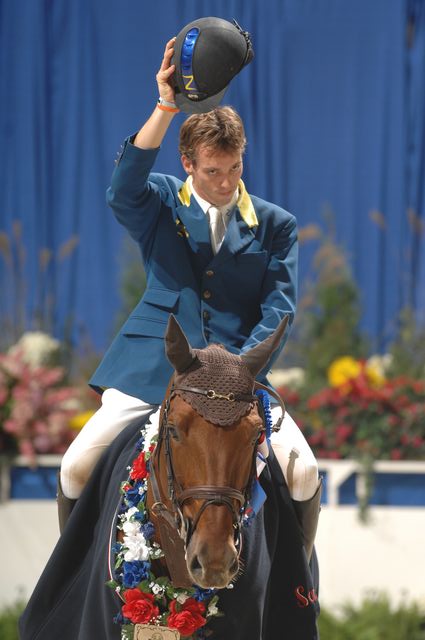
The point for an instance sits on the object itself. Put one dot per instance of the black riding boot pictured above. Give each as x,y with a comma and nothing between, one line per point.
308,516
65,506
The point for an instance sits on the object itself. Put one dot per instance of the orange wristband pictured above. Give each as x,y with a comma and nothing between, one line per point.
167,106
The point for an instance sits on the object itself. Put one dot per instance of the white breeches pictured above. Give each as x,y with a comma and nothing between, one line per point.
119,410
295,457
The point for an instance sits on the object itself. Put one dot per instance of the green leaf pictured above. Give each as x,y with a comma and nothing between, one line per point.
112,584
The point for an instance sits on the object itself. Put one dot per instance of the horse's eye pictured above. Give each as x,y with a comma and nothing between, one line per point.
173,431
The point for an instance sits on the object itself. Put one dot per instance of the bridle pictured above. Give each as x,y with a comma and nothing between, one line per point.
210,494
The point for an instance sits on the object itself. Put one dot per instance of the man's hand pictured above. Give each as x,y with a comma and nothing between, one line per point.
164,74
153,131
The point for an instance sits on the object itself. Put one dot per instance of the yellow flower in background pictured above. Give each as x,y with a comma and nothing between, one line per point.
342,370
78,421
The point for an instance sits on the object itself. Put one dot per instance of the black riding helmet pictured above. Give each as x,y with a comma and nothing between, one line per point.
208,54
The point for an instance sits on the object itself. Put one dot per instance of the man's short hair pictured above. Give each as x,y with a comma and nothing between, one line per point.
220,129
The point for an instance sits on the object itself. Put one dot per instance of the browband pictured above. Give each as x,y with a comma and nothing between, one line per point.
241,397
211,394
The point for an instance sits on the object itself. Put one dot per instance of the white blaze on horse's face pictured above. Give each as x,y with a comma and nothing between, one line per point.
206,455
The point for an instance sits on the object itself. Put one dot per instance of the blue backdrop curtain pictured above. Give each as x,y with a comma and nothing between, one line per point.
333,103
415,160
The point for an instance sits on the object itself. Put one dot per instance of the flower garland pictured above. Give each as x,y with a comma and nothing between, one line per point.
149,599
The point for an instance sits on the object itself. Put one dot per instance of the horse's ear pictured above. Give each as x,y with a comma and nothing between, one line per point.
178,350
257,357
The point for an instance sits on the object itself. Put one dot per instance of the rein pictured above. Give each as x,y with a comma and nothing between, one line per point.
211,494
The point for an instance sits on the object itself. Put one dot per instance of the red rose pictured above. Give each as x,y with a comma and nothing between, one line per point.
139,471
186,618
139,606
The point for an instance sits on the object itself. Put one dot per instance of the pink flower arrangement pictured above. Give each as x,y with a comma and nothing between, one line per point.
35,408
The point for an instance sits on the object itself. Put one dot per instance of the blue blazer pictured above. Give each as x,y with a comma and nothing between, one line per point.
235,298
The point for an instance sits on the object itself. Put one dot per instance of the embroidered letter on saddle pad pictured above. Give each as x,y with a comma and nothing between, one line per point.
154,632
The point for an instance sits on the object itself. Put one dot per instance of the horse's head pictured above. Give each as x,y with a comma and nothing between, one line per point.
208,439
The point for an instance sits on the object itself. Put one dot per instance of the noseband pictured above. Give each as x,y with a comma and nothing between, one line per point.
210,494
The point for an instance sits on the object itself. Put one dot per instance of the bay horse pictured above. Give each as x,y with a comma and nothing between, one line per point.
205,460
198,482
200,474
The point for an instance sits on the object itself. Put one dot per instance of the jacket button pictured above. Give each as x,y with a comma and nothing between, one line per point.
206,315
207,294
209,273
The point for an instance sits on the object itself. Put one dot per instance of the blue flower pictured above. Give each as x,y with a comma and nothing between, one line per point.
148,530
133,495
140,444
203,594
134,573
116,547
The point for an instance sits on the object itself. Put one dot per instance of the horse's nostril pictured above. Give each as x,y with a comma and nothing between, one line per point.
195,565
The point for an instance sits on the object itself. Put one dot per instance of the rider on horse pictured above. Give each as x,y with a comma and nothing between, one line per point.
224,263
227,282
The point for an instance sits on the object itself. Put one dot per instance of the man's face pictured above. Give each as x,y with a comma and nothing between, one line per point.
215,174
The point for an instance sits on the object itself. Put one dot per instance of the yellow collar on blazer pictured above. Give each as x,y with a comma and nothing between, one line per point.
244,202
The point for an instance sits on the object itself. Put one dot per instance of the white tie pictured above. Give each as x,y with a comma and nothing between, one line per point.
217,228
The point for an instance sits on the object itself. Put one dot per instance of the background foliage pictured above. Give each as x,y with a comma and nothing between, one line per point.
373,619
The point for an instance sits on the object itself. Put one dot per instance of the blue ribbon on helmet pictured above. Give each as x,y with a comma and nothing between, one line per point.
188,48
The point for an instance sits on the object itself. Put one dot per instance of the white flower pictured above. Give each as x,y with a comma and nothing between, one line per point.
151,429
212,610
292,378
182,597
156,588
38,349
136,548
131,528
381,364
131,512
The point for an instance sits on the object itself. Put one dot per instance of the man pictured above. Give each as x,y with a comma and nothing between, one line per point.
222,261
